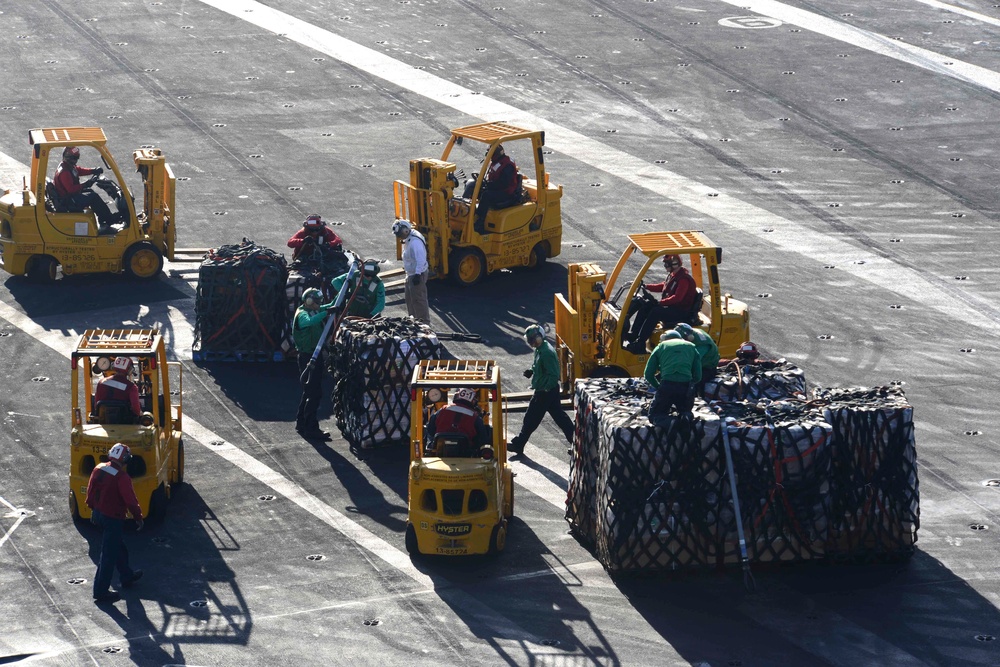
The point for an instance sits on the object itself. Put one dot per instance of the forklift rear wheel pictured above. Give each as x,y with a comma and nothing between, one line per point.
42,269
538,256
74,507
180,464
143,261
411,540
468,266
158,504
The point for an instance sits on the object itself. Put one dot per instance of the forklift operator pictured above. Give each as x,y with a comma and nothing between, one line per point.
119,386
462,417
679,291
500,189
314,234
75,196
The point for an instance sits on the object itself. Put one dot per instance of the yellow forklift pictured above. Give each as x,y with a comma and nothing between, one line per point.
39,234
460,497
524,234
154,436
589,321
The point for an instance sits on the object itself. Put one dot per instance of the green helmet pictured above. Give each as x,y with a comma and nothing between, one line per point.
371,267
673,333
312,298
684,329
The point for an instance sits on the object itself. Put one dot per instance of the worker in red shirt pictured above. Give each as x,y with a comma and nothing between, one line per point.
679,292
314,236
500,188
119,387
112,498
462,417
74,195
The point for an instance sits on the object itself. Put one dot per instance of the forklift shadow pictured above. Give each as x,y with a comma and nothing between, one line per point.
88,294
188,594
527,298
519,630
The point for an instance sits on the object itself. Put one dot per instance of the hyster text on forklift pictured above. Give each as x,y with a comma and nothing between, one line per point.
590,321
525,232
154,435
41,231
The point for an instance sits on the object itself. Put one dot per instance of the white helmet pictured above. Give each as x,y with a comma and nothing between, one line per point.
466,395
120,453
122,365
401,228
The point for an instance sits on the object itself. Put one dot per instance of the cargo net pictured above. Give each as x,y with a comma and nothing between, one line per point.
372,363
876,511
833,477
312,270
240,303
765,379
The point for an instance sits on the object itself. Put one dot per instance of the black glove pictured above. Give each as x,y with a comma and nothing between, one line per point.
98,171
528,373
415,280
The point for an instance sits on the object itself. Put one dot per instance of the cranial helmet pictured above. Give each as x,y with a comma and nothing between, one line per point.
401,228
122,365
533,331
311,298
748,352
685,330
466,396
672,260
371,267
314,221
71,153
120,453
673,333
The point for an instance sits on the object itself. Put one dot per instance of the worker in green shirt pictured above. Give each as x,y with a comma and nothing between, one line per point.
673,369
706,347
544,374
307,328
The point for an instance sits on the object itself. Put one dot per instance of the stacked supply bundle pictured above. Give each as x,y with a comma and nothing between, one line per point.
876,513
372,363
782,455
774,380
240,305
645,497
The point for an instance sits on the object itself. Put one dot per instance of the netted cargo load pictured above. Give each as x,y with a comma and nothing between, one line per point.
876,512
782,455
372,362
774,380
240,304
645,497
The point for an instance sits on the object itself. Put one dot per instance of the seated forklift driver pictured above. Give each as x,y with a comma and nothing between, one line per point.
74,195
679,292
118,387
461,418
500,190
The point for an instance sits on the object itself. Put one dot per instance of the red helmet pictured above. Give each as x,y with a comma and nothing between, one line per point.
71,153
747,352
466,395
122,365
120,453
314,222
672,261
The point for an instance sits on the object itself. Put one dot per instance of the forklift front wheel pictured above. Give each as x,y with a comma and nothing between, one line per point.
143,261
468,266
42,269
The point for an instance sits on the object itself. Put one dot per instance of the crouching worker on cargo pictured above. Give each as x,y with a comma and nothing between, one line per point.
707,349
544,374
674,368
307,328
461,423
365,296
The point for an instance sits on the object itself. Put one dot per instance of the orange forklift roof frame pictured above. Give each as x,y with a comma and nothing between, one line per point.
651,243
64,136
490,132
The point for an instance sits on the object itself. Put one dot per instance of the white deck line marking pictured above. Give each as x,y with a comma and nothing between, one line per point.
12,508
12,528
884,46
959,10
730,211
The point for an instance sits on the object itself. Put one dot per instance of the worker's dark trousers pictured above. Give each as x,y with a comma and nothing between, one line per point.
312,392
114,553
540,403
648,317
669,395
